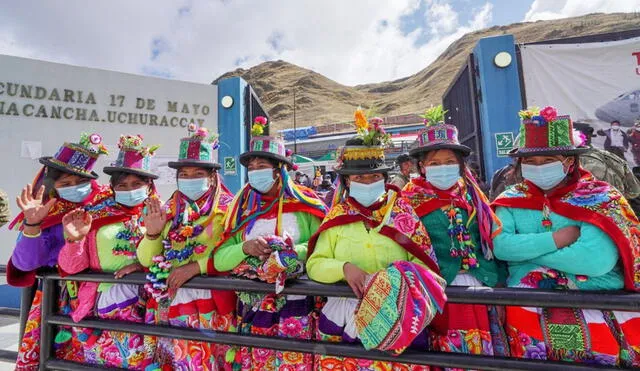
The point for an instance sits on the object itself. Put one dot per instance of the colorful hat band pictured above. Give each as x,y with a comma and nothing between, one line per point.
132,159
195,149
439,134
267,144
538,136
362,153
76,157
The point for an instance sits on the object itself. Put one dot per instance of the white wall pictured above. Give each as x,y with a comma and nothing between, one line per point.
19,124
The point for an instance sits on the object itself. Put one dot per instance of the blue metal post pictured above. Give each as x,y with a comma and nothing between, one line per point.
232,130
498,97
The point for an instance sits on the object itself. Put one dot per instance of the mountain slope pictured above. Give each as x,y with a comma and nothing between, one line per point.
321,100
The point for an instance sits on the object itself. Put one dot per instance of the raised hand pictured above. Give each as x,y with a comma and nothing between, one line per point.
32,208
155,217
76,224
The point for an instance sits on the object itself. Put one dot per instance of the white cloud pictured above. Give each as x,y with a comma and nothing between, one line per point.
441,18
555,9
352,42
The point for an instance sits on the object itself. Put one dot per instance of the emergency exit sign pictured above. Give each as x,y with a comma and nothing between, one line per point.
504,143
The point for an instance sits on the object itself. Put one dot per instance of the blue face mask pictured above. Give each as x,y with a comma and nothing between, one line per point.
193,188
132,198
76,193
544,176
443,176
366,194
261,180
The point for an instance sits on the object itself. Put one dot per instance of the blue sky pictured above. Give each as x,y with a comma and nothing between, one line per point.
352,42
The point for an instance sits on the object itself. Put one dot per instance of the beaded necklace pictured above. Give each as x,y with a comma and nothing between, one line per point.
127,238
183,230
462,245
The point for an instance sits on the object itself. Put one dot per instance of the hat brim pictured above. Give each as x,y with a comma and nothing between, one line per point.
464,150
244,158
516,152
355,171
109,170
46,161
195,163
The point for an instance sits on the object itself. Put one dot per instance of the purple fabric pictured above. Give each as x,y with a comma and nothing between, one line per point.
33,253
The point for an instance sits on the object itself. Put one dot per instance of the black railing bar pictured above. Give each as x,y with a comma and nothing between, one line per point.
9,312
58,364
3,269
46,329
325,348
605,300
8,356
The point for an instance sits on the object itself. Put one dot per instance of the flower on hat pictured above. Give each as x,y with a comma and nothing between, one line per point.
529,113
260,120
134,142
370,130
579,139
549,113
259,124
434,115
93,143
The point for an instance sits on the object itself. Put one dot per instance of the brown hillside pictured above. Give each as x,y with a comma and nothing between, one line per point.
320,100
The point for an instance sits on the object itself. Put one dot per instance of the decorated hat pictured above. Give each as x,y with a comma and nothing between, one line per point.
364,153
265,146
78,158
197,149
544,133
437,134
134,158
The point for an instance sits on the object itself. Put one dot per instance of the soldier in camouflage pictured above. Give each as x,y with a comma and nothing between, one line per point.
610,168
4,208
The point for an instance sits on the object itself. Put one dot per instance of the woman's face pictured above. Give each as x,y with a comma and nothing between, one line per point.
567,162
258,163
129,183
194,172
365,178
69,180
438,158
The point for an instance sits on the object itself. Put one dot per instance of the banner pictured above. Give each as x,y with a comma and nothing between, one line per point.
595,83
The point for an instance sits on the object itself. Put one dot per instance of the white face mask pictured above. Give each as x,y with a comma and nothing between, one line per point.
544,176
615,128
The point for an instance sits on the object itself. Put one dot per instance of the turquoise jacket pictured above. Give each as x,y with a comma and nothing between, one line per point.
526,245
489,272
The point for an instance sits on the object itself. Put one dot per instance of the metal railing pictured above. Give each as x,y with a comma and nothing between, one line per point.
609,300
9,355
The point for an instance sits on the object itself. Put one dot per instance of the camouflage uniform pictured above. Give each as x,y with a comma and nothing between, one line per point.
4,208
613,170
